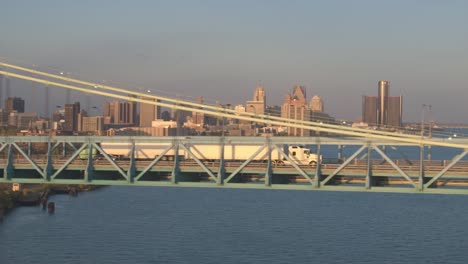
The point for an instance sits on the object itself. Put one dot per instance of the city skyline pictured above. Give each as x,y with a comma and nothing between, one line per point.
337,49
101,105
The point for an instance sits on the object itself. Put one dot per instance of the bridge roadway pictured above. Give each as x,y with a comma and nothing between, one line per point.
384,173
358,172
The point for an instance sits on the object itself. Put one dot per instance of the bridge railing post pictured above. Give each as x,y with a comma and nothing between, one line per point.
369,182
176,168
221,170
318,169
132,167
49,167
88,173
269,171
9,172
421,168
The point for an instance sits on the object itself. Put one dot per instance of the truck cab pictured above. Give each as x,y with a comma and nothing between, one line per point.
302,156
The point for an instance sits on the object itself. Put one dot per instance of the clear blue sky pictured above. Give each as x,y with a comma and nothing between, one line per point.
222,49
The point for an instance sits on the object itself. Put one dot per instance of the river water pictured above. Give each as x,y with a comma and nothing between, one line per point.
191,225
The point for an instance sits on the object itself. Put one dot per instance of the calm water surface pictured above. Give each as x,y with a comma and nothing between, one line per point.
185,225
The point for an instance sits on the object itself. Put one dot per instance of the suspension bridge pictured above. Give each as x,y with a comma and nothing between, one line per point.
368,167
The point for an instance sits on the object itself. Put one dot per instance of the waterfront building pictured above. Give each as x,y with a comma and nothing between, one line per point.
3,117
316,104
369,110
258,103
148,112
121,113
165,115
298,96
94,124
71,117
273,110
383,110
295,107
395,111
198,118
14,104
382,103
22,121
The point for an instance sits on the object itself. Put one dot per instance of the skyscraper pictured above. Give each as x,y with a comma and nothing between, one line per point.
299,95
120,112
259,94
14,104
383,110
198,118
148,112
258,104
316,104
71,117
395,111
7,87
295,107
369,110
383,102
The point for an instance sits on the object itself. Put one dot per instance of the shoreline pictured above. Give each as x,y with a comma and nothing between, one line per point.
35,195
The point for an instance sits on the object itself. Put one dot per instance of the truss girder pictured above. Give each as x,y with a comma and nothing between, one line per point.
448,167
198,161
245,163
318,169
89,170
8,171
70,160
14,151
301,171
369,168
39,170
3,146
396,167
156,160
342,166
111,161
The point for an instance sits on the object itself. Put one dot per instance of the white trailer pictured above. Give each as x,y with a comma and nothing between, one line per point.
142,150
298,154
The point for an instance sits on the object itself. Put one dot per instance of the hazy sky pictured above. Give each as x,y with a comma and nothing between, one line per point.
223,49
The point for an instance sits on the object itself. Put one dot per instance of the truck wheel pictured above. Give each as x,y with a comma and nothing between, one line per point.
313,163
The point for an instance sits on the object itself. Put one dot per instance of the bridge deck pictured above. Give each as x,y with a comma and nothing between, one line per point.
60,162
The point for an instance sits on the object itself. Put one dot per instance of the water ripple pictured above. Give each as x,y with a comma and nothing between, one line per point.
183,225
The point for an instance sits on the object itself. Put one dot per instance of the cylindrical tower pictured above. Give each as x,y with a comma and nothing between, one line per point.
383,102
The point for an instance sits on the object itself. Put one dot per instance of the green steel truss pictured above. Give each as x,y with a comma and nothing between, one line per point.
60,160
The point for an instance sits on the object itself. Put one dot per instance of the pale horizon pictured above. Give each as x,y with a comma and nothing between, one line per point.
338,50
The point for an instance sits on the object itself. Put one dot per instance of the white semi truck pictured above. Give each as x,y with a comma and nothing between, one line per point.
145,151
